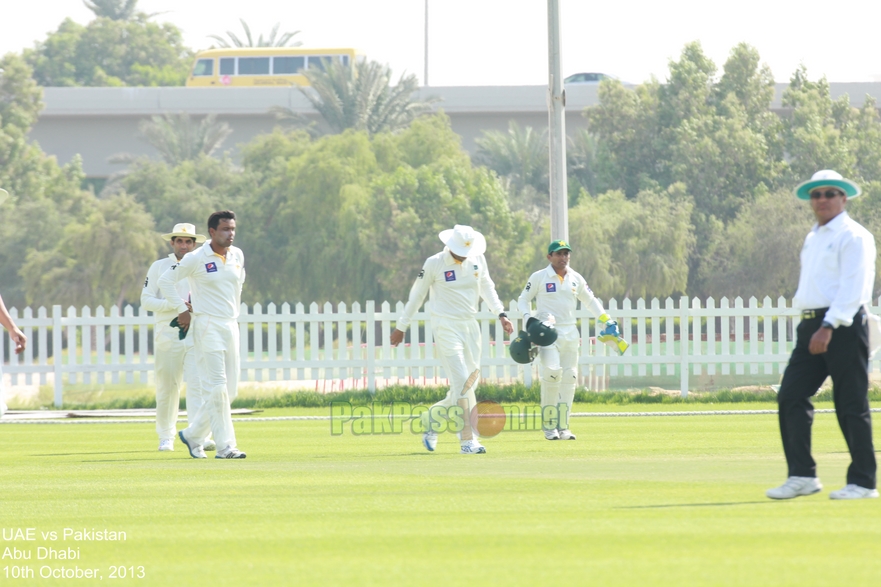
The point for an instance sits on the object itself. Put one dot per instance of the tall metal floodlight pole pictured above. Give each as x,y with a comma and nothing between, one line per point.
557,128
425,79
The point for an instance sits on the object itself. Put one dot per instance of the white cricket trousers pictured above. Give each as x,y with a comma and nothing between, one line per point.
457,345
558,365
175,362
216,343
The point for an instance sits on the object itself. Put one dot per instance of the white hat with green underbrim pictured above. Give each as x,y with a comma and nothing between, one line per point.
3,195
824,178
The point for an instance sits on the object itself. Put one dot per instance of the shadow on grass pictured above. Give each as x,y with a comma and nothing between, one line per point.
691,505
75,454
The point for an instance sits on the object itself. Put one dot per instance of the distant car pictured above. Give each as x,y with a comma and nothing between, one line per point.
587,78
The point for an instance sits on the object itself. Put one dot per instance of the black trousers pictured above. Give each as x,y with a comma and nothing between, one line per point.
847,361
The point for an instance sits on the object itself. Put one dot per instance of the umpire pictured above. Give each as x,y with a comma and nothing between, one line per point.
837,275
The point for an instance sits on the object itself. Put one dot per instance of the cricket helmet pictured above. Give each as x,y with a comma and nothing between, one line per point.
541,329
521,349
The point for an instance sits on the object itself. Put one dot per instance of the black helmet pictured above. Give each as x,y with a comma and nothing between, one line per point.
521,349
541,329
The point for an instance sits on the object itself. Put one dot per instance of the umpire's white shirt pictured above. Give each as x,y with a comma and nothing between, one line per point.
558,296
215,284
455,287
837,270
152,298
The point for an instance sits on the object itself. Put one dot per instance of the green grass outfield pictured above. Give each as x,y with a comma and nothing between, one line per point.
634,501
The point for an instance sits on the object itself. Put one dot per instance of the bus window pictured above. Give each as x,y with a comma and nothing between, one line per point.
253,65
317,61
345,60
227,66
204,67
281,65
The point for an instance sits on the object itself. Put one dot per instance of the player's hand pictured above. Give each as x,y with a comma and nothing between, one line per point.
189,306
397,337
507,325
184,320
20,340
820,341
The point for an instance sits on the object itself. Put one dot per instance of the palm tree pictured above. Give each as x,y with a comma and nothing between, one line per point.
113,9
270,41
521,155
178,138
360,97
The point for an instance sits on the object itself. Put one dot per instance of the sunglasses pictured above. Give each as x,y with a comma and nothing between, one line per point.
828,194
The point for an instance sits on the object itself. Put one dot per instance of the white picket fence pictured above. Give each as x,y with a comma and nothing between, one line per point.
348,347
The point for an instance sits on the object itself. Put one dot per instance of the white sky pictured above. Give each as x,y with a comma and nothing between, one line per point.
504,42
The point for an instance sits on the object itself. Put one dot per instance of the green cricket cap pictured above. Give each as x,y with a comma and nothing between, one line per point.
558,245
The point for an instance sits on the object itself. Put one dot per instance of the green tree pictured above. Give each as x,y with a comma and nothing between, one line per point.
108,52
520,154
359,97
179,138
113,9
100,259
273,40
350,217
633,247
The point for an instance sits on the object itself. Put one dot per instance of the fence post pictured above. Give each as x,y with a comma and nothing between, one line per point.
56,355
371,346
683,346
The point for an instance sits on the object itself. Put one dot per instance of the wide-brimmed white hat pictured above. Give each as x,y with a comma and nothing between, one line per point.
824,178
186,230
463,240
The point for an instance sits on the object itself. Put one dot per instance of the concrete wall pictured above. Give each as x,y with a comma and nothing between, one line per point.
97,123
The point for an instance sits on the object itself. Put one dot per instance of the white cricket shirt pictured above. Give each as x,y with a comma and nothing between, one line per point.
557,296
153,300
837,270
215,285
456,289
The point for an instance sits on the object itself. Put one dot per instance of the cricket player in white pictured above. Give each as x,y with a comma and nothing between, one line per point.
456,279
556,290
216,273
20,340
174,359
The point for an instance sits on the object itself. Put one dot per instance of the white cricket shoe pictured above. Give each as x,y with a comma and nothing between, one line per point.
851,491
230,453
472,447
196,451
429,441
566,434
209,445
794,487
166,445
552,434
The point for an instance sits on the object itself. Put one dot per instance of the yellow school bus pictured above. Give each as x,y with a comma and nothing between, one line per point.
262,66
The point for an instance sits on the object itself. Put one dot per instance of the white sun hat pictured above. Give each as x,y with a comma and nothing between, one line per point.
463,240
186,230
827,178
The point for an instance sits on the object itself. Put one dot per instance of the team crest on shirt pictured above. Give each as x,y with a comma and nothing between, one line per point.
211,267
449,275
550,287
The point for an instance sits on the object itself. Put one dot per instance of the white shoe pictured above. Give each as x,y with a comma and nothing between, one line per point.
230,453
209,445
566,434
472,447
429,441
166,445
794,487
195,450
552,434
851,491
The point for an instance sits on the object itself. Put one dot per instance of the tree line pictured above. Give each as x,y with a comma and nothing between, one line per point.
675,187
